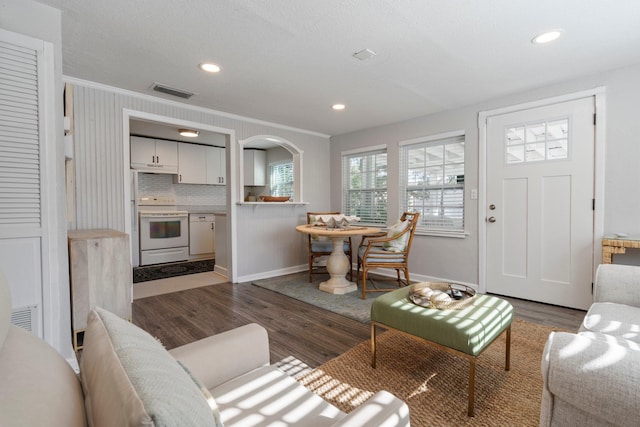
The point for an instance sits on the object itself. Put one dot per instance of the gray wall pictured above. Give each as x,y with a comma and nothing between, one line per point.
457,259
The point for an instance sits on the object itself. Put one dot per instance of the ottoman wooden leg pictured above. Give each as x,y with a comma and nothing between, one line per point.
472,380
507,362
373,345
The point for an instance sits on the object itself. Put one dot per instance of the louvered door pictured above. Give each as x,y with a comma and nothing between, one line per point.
21,154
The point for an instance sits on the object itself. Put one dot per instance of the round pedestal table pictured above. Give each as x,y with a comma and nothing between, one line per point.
338,263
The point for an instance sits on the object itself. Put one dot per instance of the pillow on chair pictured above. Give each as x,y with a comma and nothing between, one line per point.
314,219
399,244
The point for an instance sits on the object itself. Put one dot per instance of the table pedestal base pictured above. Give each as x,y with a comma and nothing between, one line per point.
338,286
338,266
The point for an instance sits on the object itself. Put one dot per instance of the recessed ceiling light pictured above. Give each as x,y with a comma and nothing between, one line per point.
547,37
210,68
338,106
188,133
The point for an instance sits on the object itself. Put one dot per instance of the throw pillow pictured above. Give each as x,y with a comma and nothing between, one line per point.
399,244
129,379
207,395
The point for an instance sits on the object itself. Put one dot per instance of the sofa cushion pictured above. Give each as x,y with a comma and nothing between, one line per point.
129,379
618,320
37,385
269,397
611,339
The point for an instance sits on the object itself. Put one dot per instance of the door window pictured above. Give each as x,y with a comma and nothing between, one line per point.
535,142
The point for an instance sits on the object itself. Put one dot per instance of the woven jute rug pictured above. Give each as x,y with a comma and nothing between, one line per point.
434,383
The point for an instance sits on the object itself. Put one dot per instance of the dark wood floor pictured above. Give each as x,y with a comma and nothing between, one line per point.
296,329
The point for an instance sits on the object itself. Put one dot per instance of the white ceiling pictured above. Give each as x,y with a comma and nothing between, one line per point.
288,61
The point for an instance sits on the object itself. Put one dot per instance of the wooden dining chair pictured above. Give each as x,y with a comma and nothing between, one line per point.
323,246
390,250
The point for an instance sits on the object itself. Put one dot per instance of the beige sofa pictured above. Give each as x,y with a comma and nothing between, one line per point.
128,379
592,378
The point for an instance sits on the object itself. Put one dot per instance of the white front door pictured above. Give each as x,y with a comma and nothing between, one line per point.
540,189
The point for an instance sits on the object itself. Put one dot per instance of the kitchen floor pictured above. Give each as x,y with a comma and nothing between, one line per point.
174,284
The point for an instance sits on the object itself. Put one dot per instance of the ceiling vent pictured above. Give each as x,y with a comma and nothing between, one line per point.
364,54
172,91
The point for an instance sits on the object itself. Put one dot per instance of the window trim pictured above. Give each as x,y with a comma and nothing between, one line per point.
402,145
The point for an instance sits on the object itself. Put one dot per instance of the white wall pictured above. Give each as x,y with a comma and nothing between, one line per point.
44,23
457,259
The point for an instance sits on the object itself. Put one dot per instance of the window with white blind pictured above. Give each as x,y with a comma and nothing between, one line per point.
364,185
432,181
281,179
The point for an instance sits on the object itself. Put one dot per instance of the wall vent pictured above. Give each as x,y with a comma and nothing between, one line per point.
172,91
26,318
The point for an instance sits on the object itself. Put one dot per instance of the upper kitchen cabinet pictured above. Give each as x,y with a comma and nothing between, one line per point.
192,164
201,164
255,167
154,155
216,166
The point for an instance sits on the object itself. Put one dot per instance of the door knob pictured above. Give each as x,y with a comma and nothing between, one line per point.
492,219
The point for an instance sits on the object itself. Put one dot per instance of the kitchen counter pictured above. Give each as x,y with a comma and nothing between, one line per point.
216,210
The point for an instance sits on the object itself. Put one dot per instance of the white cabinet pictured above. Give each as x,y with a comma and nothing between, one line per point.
255,167
201,164
154,155
201,234
192,163
216,165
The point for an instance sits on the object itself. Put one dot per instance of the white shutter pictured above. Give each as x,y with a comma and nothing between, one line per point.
19,137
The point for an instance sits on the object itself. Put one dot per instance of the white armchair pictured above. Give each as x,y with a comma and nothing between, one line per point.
592,378
249,391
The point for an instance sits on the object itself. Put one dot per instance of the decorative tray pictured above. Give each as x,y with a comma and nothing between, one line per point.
441,295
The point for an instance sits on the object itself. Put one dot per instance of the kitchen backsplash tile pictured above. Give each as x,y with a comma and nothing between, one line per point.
152,184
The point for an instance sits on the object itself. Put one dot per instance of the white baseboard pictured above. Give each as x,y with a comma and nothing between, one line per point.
381,271
220,270
73,362
272,273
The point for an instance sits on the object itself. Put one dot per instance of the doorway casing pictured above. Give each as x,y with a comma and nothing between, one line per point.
231,154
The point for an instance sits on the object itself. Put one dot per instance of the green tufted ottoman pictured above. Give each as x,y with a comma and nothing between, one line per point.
466,332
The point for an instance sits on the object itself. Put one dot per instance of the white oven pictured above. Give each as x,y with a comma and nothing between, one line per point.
164,233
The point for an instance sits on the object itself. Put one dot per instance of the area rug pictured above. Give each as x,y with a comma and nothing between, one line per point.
434,383
174,269
297,286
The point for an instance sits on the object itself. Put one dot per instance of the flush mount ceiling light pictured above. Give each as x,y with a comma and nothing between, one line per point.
188,133
547,37
338,107
210,67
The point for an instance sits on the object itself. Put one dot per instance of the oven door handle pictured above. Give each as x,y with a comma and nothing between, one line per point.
160,216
